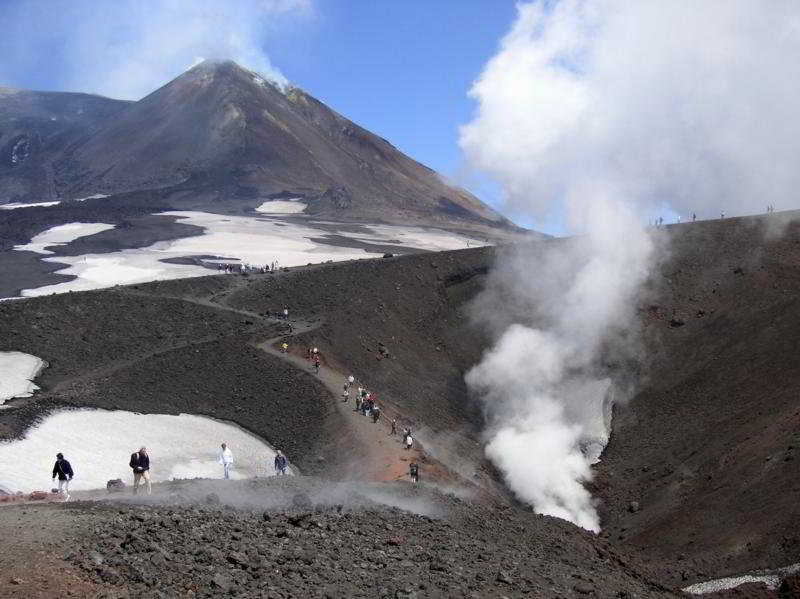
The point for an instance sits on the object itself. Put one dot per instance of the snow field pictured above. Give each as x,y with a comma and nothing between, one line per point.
17,371
98,444
252,240
293,206
61,235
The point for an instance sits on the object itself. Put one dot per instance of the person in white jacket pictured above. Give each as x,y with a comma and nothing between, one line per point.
226,459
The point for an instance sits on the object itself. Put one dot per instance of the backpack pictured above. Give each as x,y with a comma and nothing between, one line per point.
134,459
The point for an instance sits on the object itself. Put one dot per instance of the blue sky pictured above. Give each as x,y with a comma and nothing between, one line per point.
400,69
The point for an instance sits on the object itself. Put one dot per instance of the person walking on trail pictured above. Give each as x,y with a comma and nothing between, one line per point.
316,364
63,471
350,380
376,413
394,426
226,459
140,464
345,395
359,401
281,463
284,348
413,472
286,312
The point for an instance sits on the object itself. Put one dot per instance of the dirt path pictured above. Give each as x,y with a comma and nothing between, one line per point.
384,458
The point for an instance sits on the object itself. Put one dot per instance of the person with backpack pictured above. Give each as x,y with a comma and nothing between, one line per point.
284,348
376,413
140,464
316,364
226,459
63,470
281,463
409,441
413,472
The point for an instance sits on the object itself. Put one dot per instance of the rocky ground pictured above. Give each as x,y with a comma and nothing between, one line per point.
698,481
300,537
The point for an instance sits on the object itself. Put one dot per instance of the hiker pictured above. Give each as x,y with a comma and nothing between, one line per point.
376,413
413,472
285,347
281,463
286,313
350,380
694,217
345,395
316,364
226,459
409,441
140,464
63,470
394,426
359,401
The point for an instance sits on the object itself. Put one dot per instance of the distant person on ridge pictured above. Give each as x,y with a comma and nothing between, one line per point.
281,463
140,464
226,459
285,348
63,470
694,217
394,426
286,313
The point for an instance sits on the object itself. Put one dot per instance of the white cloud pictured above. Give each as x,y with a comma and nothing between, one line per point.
127,49
686,103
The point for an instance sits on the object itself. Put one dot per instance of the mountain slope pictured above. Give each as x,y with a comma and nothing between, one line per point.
36,128
219,134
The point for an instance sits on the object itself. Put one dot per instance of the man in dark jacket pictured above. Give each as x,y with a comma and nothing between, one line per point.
140,464
413,472
281,463
63,470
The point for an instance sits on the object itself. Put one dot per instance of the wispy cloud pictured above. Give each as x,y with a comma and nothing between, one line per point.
127,48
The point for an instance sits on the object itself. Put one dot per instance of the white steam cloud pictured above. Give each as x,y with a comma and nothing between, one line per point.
127,48
599,114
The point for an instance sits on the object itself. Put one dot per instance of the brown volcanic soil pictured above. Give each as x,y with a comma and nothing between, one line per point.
709,445
300,537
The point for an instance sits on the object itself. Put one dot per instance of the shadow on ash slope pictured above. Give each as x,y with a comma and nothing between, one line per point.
279,237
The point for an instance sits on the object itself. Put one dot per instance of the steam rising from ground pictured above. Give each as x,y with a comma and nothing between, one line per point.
595,115
126,49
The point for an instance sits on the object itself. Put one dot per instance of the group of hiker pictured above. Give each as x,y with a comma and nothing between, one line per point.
140,466
245,267
366,404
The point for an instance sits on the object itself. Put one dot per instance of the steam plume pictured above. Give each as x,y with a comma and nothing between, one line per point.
598,114
126,49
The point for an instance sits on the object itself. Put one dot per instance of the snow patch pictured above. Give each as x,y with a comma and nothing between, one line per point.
14,206
96,196
292,206
61,235
252,240
769,578
98,445
17,371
